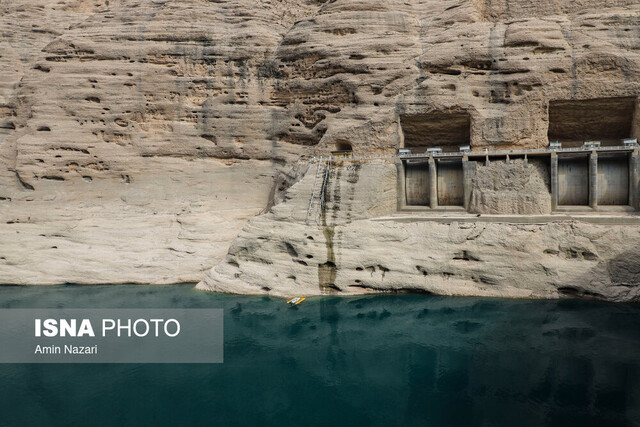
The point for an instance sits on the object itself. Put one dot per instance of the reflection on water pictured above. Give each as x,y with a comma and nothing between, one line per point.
382,360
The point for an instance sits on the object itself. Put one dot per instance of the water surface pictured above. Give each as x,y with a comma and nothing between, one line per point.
374,360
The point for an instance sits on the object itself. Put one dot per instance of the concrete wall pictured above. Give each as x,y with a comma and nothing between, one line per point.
417,183
573,181
525,186
613,180
450,183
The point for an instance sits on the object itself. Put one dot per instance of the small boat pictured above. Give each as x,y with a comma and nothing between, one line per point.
295,300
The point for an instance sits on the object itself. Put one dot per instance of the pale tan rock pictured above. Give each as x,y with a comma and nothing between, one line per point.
164,227
353,248
106,103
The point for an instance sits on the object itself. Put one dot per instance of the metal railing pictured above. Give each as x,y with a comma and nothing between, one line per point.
490,153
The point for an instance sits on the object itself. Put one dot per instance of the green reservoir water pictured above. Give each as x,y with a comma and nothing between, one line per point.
375,360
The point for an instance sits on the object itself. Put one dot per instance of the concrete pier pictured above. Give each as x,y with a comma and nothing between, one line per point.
466,177
634,179
554,181
433,183
593,180
401,185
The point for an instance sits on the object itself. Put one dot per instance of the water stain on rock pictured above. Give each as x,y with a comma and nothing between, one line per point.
327,271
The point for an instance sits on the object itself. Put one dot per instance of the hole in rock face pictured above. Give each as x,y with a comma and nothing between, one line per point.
465,256
607,120
44,129
422,270
211,138
343,146
291,250
448,130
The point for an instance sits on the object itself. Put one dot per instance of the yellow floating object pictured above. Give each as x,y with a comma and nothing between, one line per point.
295,300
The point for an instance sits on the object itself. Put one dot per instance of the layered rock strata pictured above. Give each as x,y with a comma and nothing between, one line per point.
137,137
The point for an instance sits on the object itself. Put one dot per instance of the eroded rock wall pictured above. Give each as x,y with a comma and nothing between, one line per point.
89,89
359,244
101,100
134,137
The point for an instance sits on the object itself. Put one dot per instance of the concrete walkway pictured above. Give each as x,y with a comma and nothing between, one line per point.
602,218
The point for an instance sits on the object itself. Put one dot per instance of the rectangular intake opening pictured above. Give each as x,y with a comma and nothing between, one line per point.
608,120
416,178
613,179
573,181
450,183
444,129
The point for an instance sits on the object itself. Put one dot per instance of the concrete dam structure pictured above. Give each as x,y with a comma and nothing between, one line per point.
591,153
581,179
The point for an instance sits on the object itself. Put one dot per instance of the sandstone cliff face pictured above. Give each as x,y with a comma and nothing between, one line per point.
376,62
91,88
134,142
190,110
